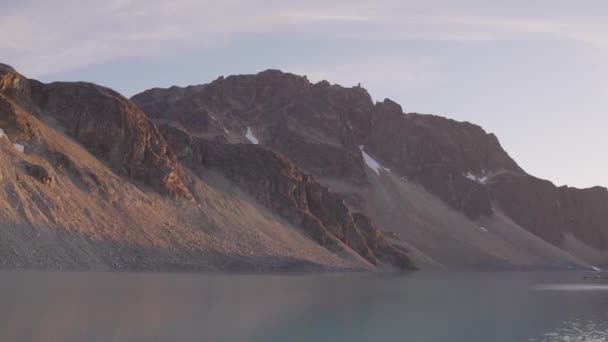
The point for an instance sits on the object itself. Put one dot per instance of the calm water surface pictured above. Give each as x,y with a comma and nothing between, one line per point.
422,306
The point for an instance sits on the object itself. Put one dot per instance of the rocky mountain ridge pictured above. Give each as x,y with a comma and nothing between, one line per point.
329,130
270,172
118,134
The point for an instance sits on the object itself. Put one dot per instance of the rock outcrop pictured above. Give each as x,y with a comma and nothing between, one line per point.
110,126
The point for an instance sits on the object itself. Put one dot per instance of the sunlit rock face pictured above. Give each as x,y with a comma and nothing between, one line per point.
112,127
117,131
9,79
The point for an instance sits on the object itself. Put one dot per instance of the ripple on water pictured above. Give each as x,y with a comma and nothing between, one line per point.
577,331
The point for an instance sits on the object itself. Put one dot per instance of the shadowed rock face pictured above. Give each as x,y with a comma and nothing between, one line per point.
439,153
286,112
320,127
280,186
552,212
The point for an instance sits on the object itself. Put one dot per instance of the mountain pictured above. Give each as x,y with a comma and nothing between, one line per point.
447,189
270,172
88,182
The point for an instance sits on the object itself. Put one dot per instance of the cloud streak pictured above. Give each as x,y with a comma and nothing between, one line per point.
43,37
586,31
496,63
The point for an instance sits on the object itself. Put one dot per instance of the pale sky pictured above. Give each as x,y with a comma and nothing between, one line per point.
535,73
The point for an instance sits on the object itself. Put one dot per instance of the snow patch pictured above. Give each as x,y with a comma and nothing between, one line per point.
349,125
225,130
485,230
476,178
249,135
371,163
596,269
2,134
19,147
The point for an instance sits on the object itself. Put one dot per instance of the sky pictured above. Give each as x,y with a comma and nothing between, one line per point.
535,73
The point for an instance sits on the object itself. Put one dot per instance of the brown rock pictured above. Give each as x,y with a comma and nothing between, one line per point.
321,126
280,186
108,125
38,172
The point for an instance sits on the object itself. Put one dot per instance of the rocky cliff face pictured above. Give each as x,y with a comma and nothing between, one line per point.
555,212
338,134
107,124
67,128
279,185
322,127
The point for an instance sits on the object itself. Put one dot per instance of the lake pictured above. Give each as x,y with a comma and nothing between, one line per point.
417,307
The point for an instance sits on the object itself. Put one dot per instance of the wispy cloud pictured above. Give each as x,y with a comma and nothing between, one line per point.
48,37
581,30
44,37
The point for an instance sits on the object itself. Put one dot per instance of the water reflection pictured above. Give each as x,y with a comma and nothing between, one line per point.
420,307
